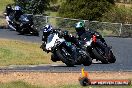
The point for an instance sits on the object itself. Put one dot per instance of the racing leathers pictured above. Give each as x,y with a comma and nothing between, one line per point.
90,32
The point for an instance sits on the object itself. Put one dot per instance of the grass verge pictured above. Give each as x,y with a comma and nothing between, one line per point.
3,4
13,52
17,84
20,84
60,80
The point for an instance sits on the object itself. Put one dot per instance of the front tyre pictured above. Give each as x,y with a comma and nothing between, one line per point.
54,58
100,56
87,60
67,59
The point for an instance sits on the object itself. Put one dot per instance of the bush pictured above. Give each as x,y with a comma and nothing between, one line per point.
118,14
86,9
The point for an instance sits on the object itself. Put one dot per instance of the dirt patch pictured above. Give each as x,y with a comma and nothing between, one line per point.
48,79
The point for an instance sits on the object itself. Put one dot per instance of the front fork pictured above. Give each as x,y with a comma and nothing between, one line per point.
72,50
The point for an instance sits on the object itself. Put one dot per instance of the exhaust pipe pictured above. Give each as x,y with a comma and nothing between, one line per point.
10,26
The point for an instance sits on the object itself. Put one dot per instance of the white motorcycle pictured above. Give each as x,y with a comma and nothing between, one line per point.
60,49
65,51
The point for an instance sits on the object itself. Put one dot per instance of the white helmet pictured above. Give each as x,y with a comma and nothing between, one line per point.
47,28
17,8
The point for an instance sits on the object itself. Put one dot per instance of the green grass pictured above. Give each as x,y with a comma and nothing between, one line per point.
14,52
20,84
79,86
17,84
3,4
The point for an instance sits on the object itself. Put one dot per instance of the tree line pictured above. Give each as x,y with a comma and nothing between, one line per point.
80,9
85,9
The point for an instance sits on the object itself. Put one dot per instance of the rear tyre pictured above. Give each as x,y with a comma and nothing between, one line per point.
68,60
21,32
36,34
112,57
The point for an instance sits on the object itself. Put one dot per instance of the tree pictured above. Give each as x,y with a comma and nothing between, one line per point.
84,9
33,6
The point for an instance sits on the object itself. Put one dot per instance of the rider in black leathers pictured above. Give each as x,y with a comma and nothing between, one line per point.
9,10
18,12
47,30
80,29
81,32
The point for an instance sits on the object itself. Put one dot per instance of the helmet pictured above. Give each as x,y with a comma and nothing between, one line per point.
17,8
80,28
8,6
8,10
80,25
47,28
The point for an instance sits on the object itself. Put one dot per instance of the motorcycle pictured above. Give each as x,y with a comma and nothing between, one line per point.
24,25
63,51
97,49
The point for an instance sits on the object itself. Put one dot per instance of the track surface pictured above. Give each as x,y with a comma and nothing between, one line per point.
122,48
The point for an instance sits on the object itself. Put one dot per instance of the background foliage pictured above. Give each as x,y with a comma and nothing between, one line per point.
118,14
33,6
86,9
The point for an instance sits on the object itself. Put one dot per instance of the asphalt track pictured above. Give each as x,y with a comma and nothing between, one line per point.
122,48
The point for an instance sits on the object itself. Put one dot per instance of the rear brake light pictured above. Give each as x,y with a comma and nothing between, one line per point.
94,38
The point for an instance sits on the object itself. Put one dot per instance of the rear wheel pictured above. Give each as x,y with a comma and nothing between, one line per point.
36,34
21,33
65,57
112,58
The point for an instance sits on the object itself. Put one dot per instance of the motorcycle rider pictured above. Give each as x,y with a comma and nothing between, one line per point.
18,12
8,10
80,29
47,30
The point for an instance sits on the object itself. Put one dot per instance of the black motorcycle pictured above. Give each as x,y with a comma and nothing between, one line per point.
97,49
24,24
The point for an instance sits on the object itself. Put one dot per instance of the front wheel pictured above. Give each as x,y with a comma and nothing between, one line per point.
54,58
100,56
87,60
65,57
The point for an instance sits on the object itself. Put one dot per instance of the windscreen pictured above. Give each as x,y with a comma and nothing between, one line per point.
50,37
